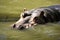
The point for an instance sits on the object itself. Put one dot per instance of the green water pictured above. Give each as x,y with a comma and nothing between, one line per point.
10,10
50,31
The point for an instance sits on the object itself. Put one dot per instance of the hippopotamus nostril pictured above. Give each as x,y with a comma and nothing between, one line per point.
21,27
14,25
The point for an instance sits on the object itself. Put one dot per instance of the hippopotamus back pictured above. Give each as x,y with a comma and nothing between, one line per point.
56,7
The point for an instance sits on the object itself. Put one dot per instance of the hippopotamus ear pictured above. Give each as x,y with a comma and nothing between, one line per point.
42,13
25,9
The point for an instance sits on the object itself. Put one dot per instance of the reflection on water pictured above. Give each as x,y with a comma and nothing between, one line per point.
50,31
3,37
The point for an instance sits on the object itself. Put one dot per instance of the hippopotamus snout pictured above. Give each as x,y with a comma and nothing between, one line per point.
21,27
24,26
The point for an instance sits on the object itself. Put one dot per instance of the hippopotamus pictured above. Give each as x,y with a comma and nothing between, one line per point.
40,15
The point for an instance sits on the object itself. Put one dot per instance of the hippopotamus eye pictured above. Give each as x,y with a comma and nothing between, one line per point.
25,15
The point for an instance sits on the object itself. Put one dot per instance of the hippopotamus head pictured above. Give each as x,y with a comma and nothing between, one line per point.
28,19
23,22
